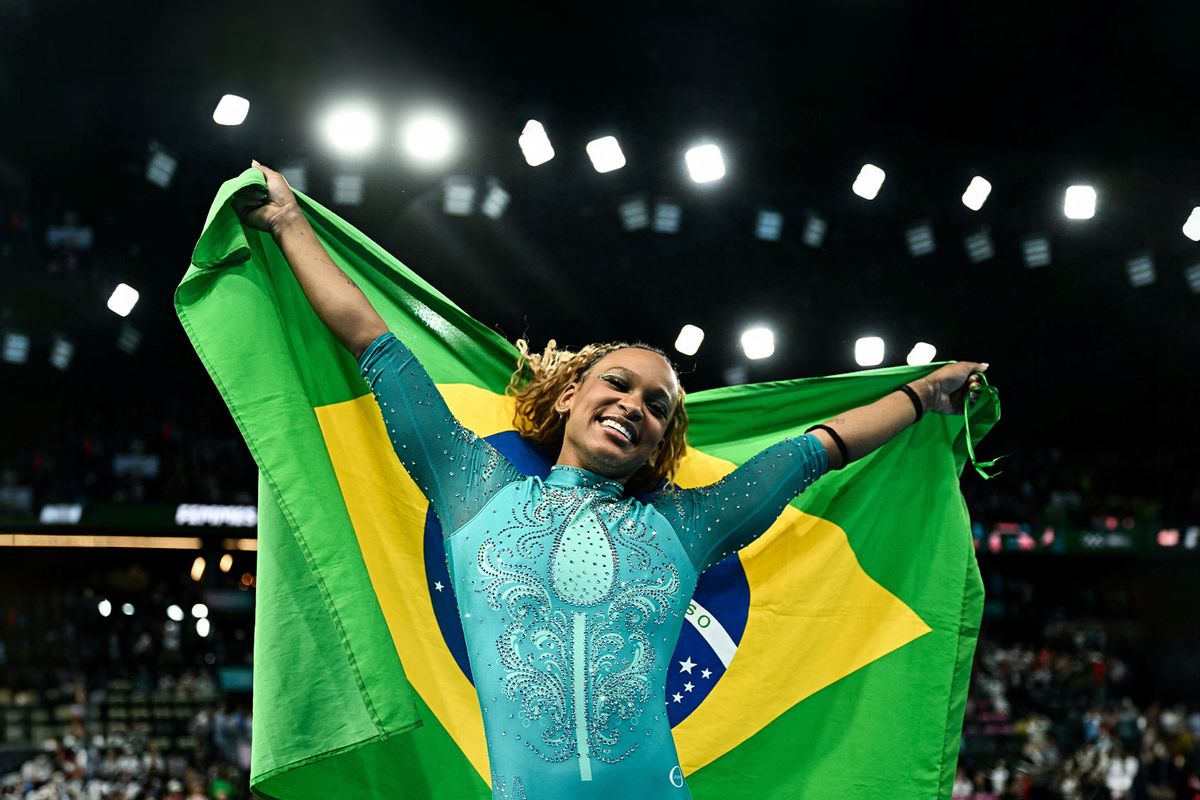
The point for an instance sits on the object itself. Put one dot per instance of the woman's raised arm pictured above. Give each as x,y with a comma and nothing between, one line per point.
339,303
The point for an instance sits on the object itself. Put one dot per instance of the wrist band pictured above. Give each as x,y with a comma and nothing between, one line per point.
912,395
836,440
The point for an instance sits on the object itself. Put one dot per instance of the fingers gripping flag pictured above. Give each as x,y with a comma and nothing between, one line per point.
829,659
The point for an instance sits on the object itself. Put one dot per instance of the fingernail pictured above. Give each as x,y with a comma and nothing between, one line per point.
985,366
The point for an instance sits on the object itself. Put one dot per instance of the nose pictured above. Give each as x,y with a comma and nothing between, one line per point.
634,414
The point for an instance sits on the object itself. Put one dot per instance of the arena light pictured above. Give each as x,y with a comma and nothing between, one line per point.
429,139
758,343
160,166
769,226
919,239
1191,228
1079,202
535,144
1036,252
104,607
199,611
667,215
869,182
815,228
60,353
198,568
123,299
458,196
495,201
16,348
605,154
635,213
348,189
979,246
977,193
85,541
351,129
128,339
1140,270
868,351
226,562
174,613
203,626
1192,274
704,163
921,353
689,339
296,175
127,609
231,110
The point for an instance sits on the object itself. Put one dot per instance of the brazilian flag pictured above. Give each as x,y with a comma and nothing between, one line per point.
830,659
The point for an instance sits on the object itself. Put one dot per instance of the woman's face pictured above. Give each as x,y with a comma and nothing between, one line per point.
618,412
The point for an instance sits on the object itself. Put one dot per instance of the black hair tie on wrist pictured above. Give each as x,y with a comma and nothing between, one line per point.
836,440
912,395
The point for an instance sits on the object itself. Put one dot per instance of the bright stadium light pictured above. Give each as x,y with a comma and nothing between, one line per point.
705,164
535,144
226,562
203,626
127,609
689,339
922,353
495,200
1079,202
605,154
1191,228
635,213
160,166
352,129
123,299
428,139
104,607
174,613
868,351
758,343
199,611
198,568
977,193
869,181
458,195
231,110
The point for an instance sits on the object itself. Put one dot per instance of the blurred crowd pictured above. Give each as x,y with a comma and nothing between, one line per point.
1055,719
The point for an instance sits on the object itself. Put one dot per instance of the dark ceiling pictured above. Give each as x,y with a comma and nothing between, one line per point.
1033,97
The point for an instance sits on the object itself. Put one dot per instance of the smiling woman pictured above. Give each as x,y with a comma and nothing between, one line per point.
614,408
572,589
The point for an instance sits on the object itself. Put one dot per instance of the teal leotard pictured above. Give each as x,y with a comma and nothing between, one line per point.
572,594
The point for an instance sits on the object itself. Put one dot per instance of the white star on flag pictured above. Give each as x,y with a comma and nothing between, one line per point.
706,673
686,666
688,686
437,585
678,697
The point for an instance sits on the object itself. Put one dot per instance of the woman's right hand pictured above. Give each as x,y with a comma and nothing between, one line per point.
266,210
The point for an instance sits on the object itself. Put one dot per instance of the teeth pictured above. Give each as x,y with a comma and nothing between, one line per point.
608,423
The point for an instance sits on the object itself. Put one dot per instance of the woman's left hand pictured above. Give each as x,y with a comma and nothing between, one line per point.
952,385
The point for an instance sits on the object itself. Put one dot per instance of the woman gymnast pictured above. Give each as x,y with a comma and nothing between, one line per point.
572,589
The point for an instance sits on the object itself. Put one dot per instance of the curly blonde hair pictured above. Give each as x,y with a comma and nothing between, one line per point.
540,378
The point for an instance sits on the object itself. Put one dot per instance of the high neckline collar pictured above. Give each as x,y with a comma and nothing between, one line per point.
563,475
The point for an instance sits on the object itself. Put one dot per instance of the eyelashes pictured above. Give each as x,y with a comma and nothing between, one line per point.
620,383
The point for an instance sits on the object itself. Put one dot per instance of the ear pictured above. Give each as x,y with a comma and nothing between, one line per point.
565,398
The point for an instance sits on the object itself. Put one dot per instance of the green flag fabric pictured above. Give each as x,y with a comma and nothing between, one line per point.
830,659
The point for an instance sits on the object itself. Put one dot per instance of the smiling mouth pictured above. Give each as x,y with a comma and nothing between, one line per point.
620,431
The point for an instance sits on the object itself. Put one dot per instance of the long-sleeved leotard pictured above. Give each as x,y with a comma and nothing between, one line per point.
571,594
